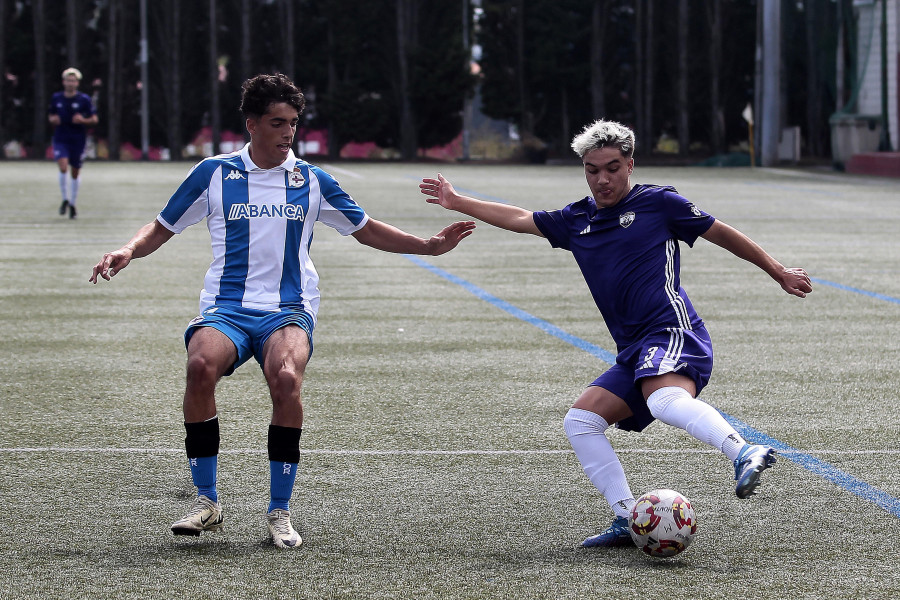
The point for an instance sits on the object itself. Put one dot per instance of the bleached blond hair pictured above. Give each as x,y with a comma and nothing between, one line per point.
604,134
72,71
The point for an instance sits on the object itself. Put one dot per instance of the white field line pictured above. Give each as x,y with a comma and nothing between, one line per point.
84,450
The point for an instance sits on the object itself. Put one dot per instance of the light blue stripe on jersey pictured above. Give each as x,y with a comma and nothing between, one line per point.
194,185
291,285
237,234
336,197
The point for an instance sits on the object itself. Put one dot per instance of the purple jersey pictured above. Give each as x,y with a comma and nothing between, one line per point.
66,108
629,256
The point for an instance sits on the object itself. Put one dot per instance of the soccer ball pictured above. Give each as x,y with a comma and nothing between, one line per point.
662,523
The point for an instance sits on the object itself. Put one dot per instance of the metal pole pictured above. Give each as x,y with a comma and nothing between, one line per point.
757,83
770,116
839,77
467,101
145,87
884,142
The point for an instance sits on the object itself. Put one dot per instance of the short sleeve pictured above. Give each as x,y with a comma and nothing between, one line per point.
685,220
89,108
554,226
338,210
190,202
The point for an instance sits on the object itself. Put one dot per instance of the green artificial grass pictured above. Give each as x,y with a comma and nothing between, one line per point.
433,462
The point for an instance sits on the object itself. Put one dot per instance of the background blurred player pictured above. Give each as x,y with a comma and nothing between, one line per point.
71,112
260,295
625,240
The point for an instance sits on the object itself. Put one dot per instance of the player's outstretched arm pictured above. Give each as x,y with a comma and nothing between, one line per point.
506,216
794,281
147,240
382,236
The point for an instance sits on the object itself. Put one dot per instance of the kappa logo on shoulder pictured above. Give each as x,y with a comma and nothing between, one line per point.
626,219
235,174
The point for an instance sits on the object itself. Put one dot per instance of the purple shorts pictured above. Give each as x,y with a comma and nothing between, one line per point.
73,150
687,352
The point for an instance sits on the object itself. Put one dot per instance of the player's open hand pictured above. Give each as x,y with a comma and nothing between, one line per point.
440,191
450,236
796,281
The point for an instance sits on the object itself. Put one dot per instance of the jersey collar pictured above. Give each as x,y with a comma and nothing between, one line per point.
287,165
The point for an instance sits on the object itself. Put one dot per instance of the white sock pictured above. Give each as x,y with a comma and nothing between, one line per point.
62,185
73,186
587,434
675,406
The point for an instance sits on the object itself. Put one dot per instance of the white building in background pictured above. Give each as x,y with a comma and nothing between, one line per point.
869,61
857,127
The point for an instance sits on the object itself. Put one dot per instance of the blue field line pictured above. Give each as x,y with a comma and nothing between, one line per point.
808,462
820,468
847,288
517,312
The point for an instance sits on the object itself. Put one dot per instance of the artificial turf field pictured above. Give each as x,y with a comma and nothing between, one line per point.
434,462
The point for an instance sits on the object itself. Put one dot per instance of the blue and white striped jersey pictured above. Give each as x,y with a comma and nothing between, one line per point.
629,256
261,224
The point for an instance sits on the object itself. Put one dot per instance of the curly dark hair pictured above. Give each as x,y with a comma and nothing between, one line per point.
257,93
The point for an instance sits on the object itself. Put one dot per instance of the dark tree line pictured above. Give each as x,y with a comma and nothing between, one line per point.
683,68
396,72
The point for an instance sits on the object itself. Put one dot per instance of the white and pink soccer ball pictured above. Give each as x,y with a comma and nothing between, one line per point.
662,523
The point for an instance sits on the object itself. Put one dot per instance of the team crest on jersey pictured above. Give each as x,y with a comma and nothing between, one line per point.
626,219
295,178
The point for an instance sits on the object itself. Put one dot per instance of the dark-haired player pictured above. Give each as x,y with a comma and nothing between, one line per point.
260,295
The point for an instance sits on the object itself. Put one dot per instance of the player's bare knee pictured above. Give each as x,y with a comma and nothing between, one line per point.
284,381
201,372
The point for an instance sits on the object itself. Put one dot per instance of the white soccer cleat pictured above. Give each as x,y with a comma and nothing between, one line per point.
205,515
283,534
